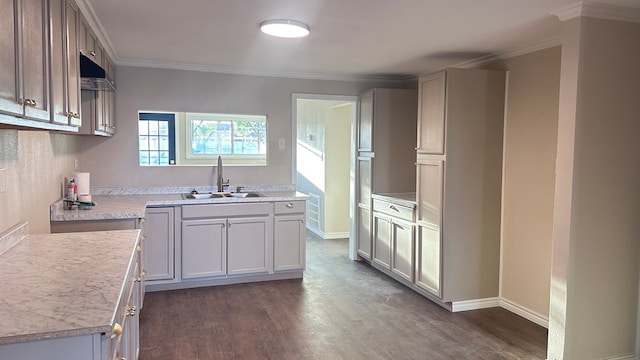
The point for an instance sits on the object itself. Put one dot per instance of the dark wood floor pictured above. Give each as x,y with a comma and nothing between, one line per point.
341,310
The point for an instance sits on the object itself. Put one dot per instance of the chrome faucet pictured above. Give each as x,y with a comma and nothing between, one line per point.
221,183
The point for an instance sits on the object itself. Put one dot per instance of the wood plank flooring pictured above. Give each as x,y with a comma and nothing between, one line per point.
341,310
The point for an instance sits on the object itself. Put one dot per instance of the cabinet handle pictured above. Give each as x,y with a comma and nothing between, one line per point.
139,248
224,225
144,272
92,53
393,208
75,115
143,220
27,102
144,237
290,205
117,331
131,311
138,279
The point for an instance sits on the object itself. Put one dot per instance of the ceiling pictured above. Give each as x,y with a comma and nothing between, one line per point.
350,39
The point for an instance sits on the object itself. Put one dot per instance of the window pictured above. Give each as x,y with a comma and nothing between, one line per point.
197,139
240,139
156,139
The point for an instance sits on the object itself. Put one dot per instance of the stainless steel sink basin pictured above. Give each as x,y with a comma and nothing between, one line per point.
243,194
202,196
216,195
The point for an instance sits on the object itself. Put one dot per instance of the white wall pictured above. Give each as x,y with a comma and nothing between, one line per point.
596,255
36,165
178,90
337,162
531,128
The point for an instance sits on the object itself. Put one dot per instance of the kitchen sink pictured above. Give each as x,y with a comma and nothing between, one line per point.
202,195
243,194
217,195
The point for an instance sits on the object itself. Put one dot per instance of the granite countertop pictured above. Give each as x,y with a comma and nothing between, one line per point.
407,199
58,285
122,205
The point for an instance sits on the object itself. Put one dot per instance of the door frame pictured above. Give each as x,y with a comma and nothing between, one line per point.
294,138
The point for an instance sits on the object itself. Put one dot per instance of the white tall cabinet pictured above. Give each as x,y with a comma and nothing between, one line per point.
459,175
384,158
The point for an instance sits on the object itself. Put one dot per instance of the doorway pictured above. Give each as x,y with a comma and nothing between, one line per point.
322,135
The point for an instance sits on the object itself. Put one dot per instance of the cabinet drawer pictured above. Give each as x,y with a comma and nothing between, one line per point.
290,207
398,211
225,210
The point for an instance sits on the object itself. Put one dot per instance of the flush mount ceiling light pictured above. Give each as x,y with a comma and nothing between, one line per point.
285,28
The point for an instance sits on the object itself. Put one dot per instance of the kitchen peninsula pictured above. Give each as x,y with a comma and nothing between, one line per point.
70,295
202,242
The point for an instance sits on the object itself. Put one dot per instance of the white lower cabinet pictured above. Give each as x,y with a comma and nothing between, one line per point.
204,248
226,240
394,237
289,236
159,245
427,274
382,240
210,244
249,245
402,235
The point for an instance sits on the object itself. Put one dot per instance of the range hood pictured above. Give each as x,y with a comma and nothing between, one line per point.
93,77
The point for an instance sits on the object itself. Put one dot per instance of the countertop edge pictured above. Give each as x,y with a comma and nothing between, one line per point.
134,206
406,199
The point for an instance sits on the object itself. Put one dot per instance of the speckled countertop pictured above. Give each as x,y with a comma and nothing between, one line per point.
58,285
407,199
128,204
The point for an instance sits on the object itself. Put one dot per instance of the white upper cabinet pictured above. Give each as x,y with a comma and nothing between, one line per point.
24,81
431,109
65,71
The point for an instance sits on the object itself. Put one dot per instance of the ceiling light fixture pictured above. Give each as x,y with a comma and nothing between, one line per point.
285,28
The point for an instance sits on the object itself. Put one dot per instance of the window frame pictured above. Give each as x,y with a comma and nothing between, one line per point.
231,159
170,118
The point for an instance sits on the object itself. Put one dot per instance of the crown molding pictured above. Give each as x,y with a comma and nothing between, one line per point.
249,72
507,54
598,10
96,26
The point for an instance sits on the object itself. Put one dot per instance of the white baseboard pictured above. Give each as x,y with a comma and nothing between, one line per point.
525,313
327,236
474,304
338,235
625,357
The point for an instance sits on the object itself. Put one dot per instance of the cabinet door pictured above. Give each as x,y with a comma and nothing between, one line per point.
289,242
431,113
204,248
382,240
9,81
365,121
72,24
33,59
430,177
248,245
363,232
158,248
58,63
428,256
364,180
402,236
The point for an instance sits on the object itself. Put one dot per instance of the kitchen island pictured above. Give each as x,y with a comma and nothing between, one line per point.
70,296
